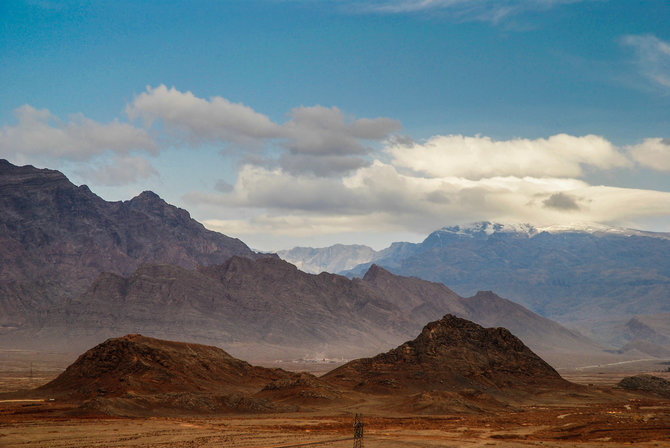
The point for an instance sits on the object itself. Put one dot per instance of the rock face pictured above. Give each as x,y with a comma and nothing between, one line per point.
146,366
451,354
592,278
452,365
240,303
646,383
136,375
56,238
424,301
267,309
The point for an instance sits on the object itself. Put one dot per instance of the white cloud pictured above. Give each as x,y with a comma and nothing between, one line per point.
324,141
321,165
379,197
481,157
200,119
652,57
322,130
40,134
121,170
318,140
452,180
652,153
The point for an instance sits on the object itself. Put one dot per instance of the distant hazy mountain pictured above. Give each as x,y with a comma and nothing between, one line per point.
594,278
268,309
328,259
56,238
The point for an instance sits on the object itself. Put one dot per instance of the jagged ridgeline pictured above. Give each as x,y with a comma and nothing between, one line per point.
57,238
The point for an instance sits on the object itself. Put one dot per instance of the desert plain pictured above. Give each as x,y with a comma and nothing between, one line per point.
598,415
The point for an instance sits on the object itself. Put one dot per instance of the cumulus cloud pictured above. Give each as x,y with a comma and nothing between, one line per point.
222,186
325,165
39,133
121,170
652,153
199,119
399,195
322,130
652,56
561,201
381,192
318,140
480,157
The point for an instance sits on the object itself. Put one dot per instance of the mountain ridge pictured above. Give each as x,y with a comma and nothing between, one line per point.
58,237
592,278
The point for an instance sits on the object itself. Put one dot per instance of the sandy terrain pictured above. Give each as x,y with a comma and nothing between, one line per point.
639,423
617,419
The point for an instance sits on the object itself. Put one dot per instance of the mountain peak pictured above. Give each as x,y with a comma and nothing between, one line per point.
147,197
375,271
488,228
448,353
28,175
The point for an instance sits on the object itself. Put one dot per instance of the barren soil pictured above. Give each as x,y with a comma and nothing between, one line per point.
639,422
610,418
617,419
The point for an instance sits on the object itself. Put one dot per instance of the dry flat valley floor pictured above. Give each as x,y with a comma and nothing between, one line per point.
628,421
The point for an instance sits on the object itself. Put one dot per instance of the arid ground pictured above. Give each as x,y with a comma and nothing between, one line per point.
619,418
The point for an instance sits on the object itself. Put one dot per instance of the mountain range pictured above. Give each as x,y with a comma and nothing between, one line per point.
592,278
76,269
56,238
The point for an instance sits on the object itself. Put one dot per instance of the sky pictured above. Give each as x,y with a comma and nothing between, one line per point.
308,123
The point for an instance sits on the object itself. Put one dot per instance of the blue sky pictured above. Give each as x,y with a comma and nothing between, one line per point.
303,122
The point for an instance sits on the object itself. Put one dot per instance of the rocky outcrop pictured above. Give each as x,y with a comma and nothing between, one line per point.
646,383
451,354
136,375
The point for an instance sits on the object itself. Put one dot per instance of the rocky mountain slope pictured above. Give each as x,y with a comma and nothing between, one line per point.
452,355
267,309
594,279
56,238
426,301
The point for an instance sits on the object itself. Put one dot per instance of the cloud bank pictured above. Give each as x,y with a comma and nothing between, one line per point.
322,171
43,138
39,132
447,179
318,140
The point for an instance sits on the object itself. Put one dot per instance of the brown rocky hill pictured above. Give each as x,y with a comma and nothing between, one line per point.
56,238
646,383
135,375
136,364
452,355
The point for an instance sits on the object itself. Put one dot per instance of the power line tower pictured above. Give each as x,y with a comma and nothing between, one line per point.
358,431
